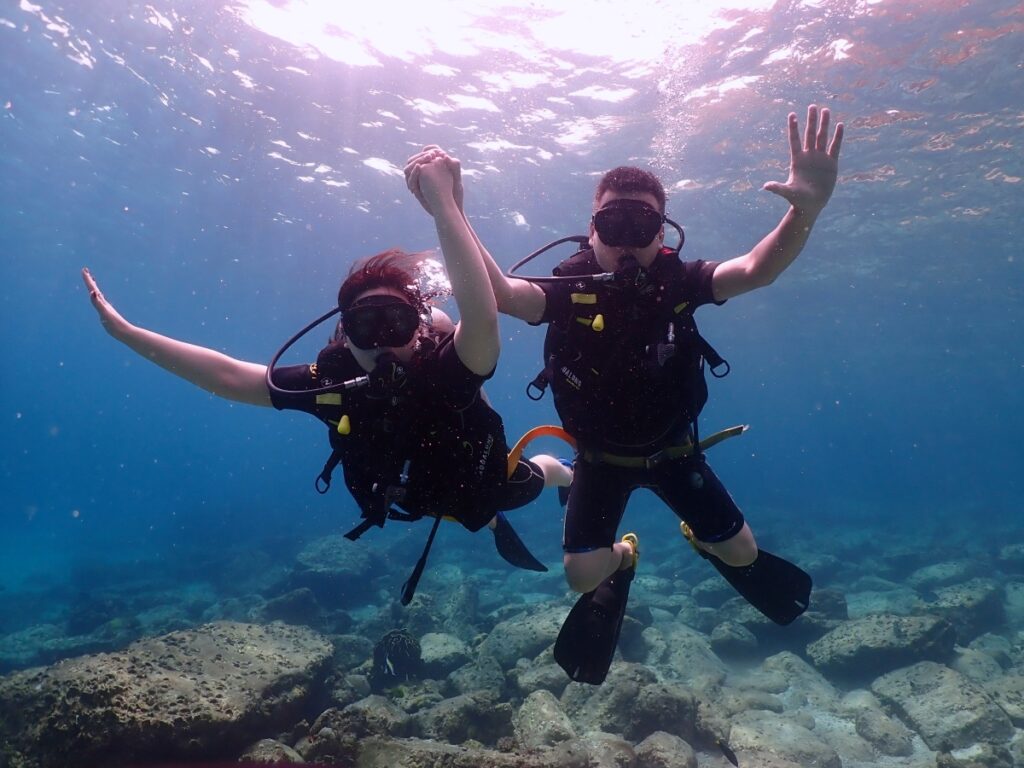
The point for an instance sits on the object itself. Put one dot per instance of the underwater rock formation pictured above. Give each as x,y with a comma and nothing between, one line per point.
878,644
205,693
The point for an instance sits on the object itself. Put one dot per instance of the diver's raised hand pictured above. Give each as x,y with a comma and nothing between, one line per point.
437,185
429,154
111,319
813,165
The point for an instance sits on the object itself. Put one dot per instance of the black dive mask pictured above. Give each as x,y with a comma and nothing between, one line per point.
626,223
380,321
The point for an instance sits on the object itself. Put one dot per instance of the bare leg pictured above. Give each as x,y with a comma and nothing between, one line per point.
737,551
585,570
555,473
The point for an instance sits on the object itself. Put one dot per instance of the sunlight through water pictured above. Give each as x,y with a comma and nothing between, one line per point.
361,34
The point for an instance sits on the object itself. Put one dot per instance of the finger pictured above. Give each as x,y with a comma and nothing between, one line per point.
423,155
413,180
412,162
837,141
811,128
821,141
90,283
778,188
794,135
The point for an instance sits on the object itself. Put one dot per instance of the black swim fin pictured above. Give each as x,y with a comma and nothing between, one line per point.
776,587
586,643
511,547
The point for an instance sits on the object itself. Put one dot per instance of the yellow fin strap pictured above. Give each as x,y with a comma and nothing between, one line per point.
546,430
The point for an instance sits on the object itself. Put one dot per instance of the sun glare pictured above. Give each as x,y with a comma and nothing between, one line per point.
367,34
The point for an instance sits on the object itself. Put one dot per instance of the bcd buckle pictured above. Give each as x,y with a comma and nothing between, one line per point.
650,462
539,386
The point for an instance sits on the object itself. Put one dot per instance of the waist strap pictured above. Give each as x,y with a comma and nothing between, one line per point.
665,454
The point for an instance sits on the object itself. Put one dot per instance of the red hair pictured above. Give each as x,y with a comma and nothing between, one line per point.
393,268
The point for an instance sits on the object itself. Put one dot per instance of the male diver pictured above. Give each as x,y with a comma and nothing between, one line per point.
626,366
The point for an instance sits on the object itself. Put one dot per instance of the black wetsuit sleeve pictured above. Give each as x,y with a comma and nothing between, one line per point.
697,282
296,379
459,386
557,306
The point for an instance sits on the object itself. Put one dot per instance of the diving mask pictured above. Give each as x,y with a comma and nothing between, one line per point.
627,223
380,321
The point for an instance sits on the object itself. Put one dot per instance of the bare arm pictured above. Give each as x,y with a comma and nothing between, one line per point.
515,297
477,342
812,177
519,298
213,371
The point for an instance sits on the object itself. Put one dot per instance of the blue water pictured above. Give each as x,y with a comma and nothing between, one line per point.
219,172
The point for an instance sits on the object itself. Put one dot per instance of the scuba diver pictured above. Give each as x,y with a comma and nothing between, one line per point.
399,387
626,364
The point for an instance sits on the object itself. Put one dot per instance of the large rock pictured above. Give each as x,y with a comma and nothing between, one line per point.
886,734
207,692
944,707
877,644
336,570
683,654
1008,693
483,674
335,736
761,737
378,752
805,683
608,708
943,574
972,607
441,654
664,750
541,722
478,716
524,636
270,752
900,600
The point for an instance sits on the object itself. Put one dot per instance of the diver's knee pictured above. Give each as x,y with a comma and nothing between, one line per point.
557,472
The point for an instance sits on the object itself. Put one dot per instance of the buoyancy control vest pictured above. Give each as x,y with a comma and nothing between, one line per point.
626,368
402,442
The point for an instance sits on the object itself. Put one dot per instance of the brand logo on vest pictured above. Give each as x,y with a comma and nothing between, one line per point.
481,465
571,377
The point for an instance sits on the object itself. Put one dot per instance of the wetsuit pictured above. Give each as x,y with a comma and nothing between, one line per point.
618,398
431,436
